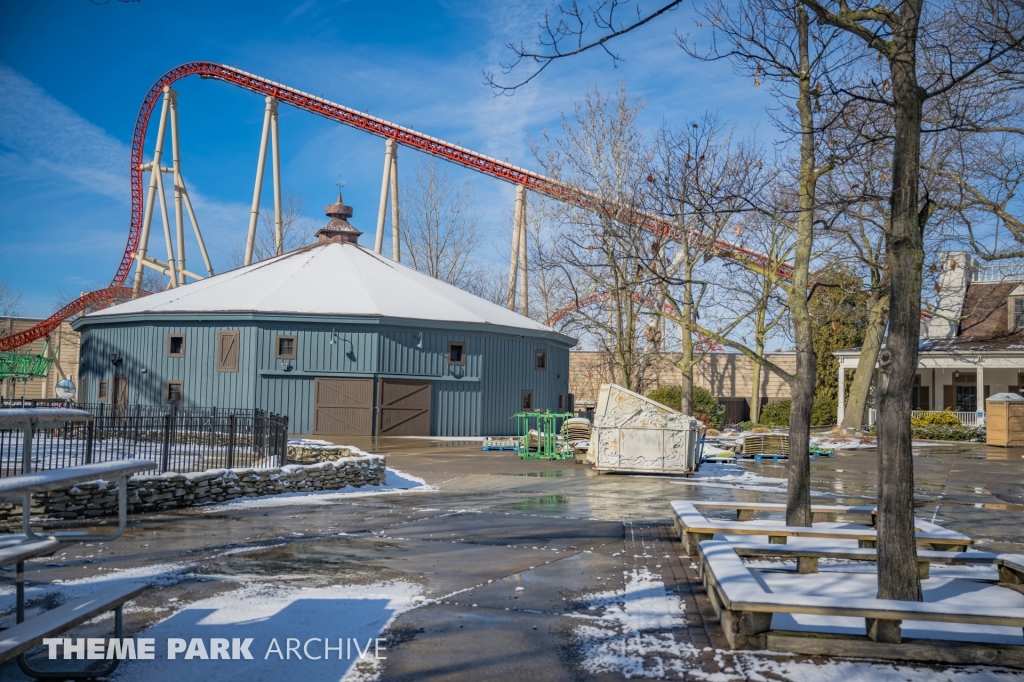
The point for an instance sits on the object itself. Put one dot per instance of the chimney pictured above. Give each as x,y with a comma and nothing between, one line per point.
338,229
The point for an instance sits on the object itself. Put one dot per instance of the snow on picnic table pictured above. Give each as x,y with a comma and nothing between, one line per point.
629,632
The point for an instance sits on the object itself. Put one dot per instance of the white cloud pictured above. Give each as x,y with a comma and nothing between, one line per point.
53,137
51,144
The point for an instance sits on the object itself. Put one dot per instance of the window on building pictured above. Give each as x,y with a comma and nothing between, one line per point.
1016,313
966,398
176,345
101,392
566,402
526,401
227,351
285,347
175,392
541,360
456,353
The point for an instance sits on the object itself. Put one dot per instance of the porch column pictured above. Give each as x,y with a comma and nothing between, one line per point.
981,390
842,393
935,393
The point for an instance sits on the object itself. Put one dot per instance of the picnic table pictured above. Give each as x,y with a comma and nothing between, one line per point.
744,605
693,527
17,548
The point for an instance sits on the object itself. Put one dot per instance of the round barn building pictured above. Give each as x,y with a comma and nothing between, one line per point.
338,338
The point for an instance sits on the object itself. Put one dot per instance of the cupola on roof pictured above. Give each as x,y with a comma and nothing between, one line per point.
339,229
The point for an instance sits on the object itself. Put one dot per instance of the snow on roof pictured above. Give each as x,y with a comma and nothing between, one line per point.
335,279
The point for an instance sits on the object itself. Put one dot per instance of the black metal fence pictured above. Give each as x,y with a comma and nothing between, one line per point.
178,439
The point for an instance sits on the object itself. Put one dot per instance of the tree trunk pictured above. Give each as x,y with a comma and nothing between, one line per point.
755,391
798,502
686,343
897,549
853,418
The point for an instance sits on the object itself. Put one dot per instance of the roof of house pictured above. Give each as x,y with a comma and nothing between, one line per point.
333,279
984,322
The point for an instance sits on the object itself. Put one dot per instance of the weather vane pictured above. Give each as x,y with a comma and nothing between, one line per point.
341,183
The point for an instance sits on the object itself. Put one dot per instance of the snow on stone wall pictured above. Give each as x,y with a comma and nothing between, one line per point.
176,491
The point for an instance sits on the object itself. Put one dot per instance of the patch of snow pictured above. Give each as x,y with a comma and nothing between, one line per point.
268,612
448,439
397,482
633,636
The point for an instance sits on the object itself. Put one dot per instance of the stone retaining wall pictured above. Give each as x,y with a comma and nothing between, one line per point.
176,491
307,451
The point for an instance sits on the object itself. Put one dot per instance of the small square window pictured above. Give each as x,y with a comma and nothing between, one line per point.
175,392
176,345
101,392
456,353
284,347
540,361
526,401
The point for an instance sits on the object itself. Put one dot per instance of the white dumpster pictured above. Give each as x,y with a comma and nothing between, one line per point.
635,434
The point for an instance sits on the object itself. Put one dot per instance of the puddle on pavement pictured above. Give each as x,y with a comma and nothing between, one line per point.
546,503
342,559
1005,506
550,473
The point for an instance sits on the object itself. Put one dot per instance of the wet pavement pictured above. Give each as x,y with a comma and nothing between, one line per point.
516,563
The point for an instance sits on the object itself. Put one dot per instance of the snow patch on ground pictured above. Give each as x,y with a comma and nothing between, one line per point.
397,482
758,668
447,439
633,636
350,613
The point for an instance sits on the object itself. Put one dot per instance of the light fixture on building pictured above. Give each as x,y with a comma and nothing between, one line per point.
115,360
956,374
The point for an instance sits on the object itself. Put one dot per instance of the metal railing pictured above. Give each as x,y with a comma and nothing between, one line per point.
1006,272
966,418
179,440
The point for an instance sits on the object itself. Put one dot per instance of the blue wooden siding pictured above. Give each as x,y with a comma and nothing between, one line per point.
471,400
455,408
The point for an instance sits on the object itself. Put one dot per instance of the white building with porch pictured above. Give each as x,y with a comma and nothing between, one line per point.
972,345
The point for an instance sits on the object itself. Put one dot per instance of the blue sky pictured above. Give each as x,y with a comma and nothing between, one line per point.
73,74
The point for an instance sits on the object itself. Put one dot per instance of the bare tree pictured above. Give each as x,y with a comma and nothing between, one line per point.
603,247
703,180
965,39
441,230
296,231
10,299
776,41
756,296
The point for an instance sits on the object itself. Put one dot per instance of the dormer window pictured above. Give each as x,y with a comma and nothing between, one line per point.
1016,320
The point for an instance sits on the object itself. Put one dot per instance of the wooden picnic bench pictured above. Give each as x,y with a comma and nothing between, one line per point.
693,527
745,607
745,510
807,557
17,548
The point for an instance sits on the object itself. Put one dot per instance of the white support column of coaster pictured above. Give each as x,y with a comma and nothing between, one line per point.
524,283
389,152
254,213
513,261
147,218
275,154
396,251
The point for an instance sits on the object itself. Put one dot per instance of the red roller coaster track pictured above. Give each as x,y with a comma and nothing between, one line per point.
335,112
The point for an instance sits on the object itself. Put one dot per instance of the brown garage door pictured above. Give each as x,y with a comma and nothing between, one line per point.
403,408
343,406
